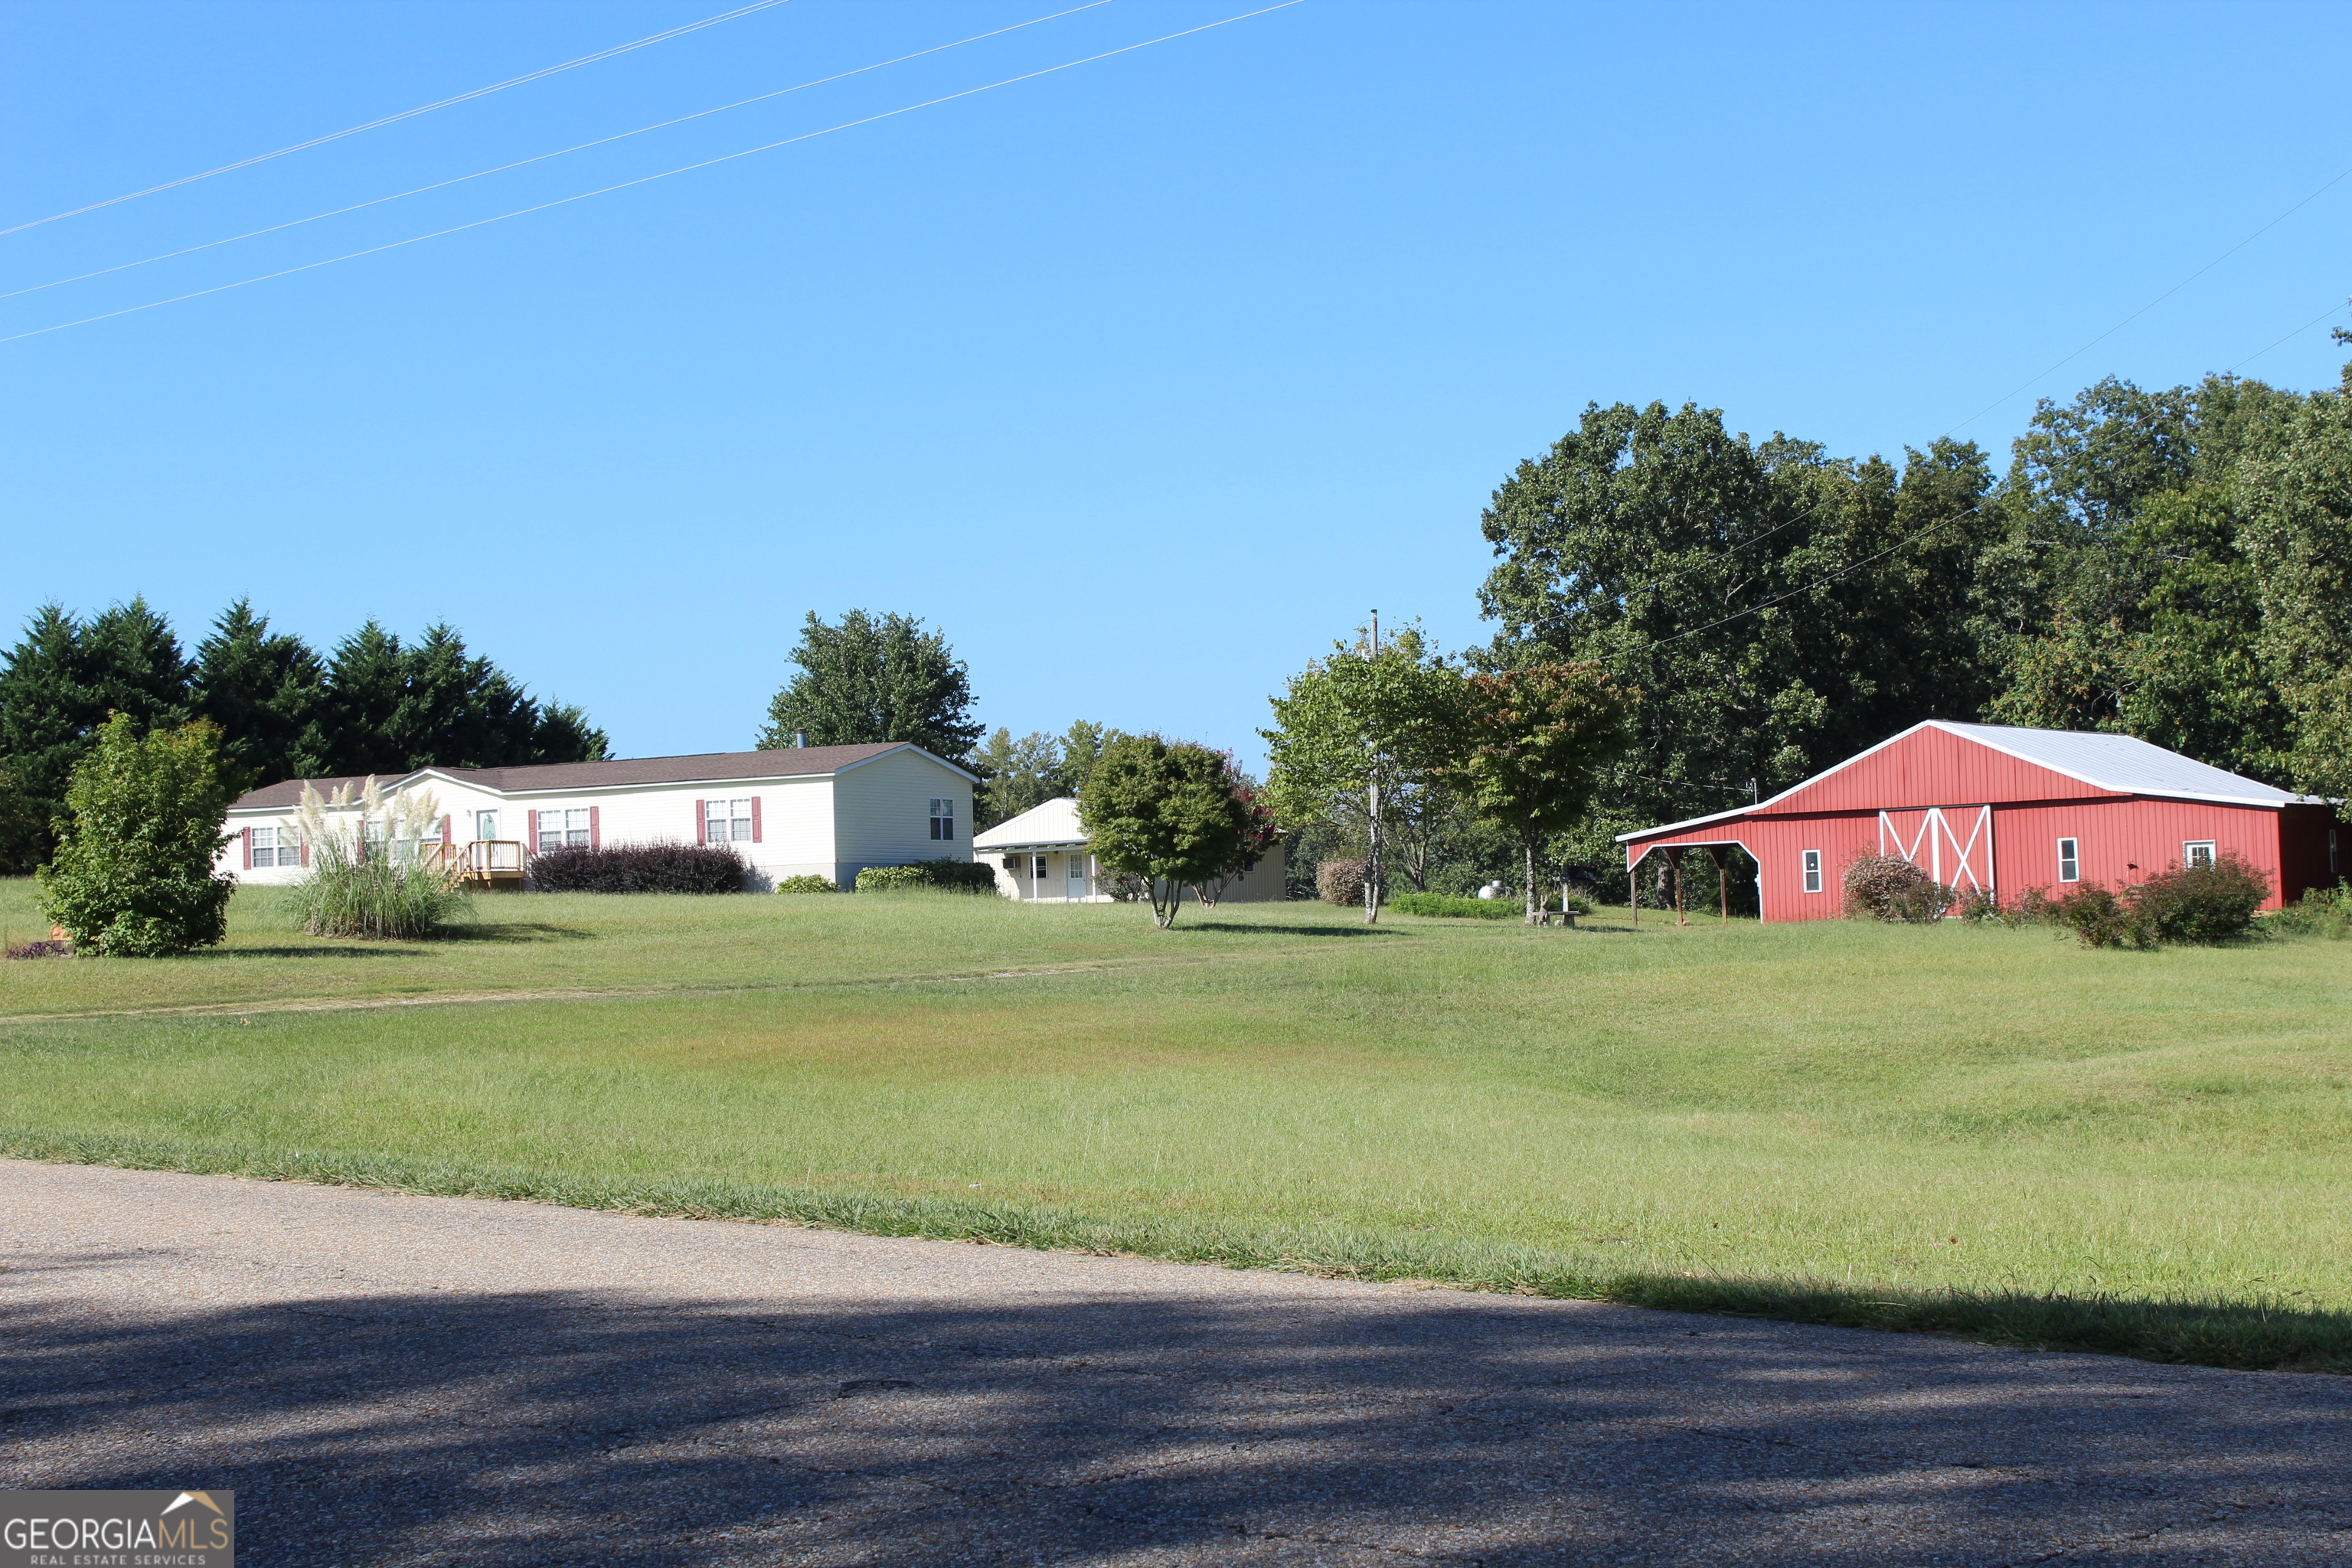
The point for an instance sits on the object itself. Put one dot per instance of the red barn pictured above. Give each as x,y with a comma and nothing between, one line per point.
1984,807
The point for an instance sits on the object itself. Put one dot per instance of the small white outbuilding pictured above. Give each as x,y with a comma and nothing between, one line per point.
1042,856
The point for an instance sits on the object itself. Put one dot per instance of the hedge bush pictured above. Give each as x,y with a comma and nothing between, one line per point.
1448,905
805,885
1339,882
950,876
638,868
1889,887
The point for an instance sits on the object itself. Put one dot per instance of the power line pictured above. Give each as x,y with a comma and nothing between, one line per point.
648,179
2297,333
543,157
404,114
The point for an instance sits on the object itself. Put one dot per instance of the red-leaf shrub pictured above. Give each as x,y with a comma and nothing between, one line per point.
1889,887
638,868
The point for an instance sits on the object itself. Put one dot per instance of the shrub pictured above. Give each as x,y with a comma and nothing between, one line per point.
2321,912
1340,882
2202,903
639,869
2100,917
356,887
1889,887
132,876
805,885
46,948
952,876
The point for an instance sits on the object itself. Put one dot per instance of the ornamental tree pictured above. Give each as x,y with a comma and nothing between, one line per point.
1529,744
132,876
1361,735
1164,812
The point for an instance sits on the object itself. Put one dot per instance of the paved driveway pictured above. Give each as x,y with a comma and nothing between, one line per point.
403,1380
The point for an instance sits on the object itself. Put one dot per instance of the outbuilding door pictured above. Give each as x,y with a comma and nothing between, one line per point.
1952,844
1077,860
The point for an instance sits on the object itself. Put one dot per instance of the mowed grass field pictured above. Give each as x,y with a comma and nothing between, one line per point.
1962,1129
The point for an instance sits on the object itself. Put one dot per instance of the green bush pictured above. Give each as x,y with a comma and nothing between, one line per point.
132,876
2202,903
805,885
952,876
1889,887
2100,917
2321,912
1448,906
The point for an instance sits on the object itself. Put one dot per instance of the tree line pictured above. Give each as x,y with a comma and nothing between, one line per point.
374,704
2173,565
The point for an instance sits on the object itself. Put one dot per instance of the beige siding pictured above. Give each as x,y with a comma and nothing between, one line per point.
457,802
882,813
1262,885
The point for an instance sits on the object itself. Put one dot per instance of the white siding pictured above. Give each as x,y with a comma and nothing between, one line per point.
882,813
796,819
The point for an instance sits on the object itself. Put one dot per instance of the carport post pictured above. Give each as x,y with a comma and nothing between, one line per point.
1634,883
1722,883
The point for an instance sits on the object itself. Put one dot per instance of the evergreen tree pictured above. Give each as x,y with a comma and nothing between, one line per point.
267,693
871,679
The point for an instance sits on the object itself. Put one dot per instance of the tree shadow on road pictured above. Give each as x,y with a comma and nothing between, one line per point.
548,1426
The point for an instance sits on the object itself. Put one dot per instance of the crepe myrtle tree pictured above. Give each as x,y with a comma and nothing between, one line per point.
1529,745
1260,833
1164,812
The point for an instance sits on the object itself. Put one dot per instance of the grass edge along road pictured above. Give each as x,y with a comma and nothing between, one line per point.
2235,1325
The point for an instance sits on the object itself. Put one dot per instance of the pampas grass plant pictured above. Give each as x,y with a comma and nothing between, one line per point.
357,886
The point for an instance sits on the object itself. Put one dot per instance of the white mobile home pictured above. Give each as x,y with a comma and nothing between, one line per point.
1042,857
826,811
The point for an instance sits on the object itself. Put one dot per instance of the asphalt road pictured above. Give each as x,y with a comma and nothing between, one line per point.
405,1380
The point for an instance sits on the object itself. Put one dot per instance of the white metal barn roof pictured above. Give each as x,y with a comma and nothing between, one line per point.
2124,763
1052,826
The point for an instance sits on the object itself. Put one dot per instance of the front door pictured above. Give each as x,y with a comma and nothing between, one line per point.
1037,877
1078,889
485,824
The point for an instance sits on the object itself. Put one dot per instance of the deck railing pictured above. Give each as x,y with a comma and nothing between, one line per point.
481,860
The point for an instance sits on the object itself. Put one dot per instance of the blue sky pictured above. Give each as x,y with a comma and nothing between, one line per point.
1143,379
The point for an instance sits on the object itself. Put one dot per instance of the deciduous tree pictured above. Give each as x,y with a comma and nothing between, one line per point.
1532,741
1164,812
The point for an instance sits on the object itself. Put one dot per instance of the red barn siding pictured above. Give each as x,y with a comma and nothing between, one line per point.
1932,767
2120,838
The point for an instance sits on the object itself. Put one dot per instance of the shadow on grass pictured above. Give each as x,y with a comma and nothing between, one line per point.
515,932
1245,928
403,949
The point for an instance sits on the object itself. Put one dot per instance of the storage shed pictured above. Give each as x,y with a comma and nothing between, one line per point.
1984,807
1042,856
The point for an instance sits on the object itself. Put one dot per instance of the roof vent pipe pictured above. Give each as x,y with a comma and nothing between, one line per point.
800,739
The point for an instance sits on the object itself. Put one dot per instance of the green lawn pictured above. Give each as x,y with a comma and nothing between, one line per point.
1977,1131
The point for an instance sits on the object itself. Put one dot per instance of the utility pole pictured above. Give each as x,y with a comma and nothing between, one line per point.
1372,807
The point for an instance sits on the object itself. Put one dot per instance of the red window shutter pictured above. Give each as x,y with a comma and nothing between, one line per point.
531,832
596,828
306,852
702,825
755,819
247,834
446,839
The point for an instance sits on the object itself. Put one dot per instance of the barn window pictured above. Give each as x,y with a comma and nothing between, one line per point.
943,819
2070,862
2196,853
1812,870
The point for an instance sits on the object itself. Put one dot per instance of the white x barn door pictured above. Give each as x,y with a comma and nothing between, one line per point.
1952,844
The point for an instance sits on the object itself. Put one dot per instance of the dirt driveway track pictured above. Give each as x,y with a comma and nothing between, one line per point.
407,1380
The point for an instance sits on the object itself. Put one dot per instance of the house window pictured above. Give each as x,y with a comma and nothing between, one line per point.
275,846
943,819
723,820
558,829
2070,860
1812,870
2200,853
